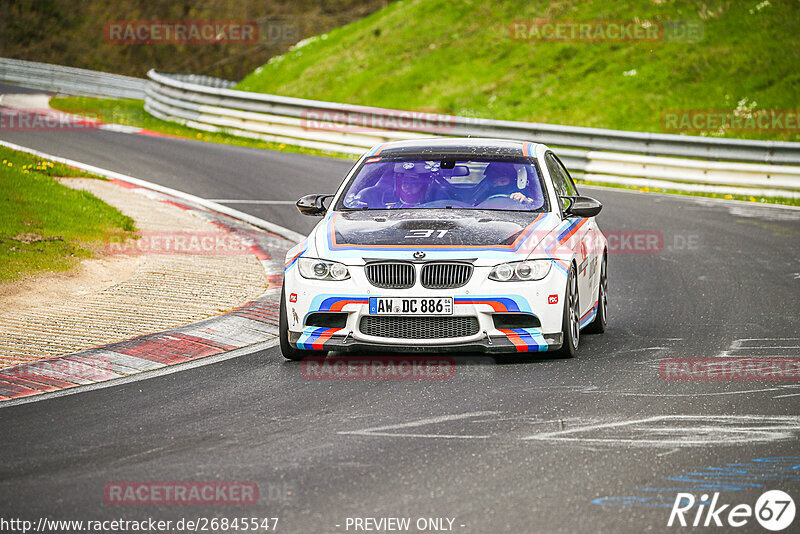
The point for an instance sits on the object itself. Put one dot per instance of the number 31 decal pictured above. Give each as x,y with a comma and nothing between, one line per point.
421,234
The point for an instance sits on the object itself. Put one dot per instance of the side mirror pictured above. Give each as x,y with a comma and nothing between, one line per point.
582,207
313,205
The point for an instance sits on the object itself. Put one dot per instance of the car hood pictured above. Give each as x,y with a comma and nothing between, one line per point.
358,236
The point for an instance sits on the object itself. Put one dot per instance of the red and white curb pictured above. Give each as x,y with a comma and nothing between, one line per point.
252,324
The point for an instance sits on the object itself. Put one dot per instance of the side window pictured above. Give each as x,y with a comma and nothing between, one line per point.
570,185
560,180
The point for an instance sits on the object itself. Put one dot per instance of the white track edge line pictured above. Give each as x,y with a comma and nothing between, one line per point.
143,375
291,235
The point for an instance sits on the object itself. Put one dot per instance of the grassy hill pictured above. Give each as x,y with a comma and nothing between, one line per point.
459,57
73,33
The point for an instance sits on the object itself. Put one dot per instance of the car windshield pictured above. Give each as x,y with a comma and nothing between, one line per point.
382,184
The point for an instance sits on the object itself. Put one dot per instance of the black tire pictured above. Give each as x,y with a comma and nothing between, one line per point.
570,325
598,325
288,351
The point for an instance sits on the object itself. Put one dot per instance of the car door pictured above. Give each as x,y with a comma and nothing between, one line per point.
586,256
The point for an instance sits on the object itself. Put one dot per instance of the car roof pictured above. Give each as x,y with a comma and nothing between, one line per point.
452,147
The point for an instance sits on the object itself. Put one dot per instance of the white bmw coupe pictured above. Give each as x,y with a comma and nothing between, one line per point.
447,245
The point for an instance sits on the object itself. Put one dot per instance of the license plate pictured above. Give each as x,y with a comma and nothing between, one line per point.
411,306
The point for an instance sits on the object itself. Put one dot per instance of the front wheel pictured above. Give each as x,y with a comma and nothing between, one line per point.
288,351
570,325
598,325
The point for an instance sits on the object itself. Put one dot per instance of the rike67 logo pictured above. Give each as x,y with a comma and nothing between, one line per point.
774,510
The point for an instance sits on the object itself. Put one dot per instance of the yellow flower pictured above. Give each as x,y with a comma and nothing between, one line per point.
752,199
199,136
728,197
10,164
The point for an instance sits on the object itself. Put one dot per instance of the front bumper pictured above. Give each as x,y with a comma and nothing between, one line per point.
481,299
339,341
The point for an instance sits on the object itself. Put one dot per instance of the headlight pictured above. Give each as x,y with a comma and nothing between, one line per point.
521,271
322,270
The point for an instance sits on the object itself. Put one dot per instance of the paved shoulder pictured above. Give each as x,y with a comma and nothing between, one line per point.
186,265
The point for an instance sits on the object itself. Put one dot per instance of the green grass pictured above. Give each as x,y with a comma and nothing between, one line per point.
459,58
132,113
44,225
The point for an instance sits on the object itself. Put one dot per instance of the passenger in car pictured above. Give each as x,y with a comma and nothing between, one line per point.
405,185
500,179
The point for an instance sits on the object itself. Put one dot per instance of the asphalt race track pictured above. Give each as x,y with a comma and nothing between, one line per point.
597,443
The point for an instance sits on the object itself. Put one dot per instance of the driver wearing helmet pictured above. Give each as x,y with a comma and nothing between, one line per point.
412,181
500,179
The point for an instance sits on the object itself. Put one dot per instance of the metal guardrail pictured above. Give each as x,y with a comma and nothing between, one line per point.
771,152
204,80
351,129
209,103
70,80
